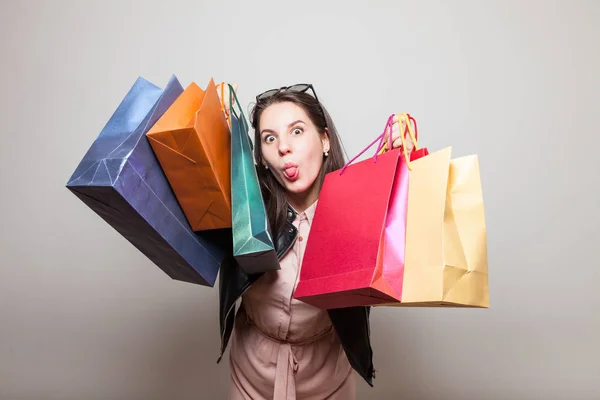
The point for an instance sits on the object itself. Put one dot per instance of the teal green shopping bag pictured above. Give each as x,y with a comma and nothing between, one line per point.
253,245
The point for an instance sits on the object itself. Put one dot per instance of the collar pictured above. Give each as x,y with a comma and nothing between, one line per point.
309,213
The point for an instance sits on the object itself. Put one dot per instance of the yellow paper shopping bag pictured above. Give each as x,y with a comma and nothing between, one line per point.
446,247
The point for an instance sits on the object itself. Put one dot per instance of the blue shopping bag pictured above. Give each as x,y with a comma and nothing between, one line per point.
121,180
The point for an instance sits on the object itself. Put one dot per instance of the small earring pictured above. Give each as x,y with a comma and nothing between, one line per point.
326,154
266,166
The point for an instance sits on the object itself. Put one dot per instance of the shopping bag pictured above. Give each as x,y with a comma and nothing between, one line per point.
192,143
446,250
253,245
354,255
121,180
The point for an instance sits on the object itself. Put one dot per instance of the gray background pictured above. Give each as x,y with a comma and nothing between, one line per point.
83,315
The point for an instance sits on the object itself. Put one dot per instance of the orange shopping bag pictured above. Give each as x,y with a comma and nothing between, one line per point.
193,146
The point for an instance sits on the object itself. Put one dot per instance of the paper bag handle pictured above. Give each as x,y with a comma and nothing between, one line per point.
377,139
413,135
232,97
407,130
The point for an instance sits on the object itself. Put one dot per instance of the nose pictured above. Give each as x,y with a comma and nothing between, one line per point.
284,147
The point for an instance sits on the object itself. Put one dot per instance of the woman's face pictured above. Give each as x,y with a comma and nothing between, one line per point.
292,147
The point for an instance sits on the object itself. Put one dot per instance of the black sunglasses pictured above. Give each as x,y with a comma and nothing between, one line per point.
299,88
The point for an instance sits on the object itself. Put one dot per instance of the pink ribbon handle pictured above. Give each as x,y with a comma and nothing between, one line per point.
379,138
390,125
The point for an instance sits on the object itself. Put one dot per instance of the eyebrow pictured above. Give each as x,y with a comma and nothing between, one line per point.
289,126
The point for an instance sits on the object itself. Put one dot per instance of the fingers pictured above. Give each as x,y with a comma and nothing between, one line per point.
398,128
395,132
227,99
225,96
409,144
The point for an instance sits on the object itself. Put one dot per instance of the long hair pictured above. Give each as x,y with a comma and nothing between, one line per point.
273,192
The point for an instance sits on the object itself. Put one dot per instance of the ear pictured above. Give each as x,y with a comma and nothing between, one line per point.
325,140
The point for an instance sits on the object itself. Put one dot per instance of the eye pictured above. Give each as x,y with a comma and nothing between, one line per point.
297,131
269,139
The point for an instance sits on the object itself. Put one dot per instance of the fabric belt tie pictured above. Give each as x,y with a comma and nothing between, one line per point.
287,365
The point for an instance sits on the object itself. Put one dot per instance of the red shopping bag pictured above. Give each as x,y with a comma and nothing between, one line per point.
355,252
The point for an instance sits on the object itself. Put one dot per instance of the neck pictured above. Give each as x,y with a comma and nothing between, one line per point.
301,201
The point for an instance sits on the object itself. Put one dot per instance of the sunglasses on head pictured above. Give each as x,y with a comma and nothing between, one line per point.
298,88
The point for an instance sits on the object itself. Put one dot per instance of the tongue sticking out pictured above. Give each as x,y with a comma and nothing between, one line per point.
291,173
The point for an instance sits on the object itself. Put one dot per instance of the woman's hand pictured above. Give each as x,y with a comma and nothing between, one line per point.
399,127
224,95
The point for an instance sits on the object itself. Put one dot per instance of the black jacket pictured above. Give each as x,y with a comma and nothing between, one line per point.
351,324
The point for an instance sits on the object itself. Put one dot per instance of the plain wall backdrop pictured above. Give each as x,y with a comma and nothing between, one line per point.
84,315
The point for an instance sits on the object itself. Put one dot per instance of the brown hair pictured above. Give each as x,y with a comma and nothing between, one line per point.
273,192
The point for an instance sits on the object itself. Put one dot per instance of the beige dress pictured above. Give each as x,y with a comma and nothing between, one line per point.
283,348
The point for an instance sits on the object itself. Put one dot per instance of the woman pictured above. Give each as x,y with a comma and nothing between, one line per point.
283,348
